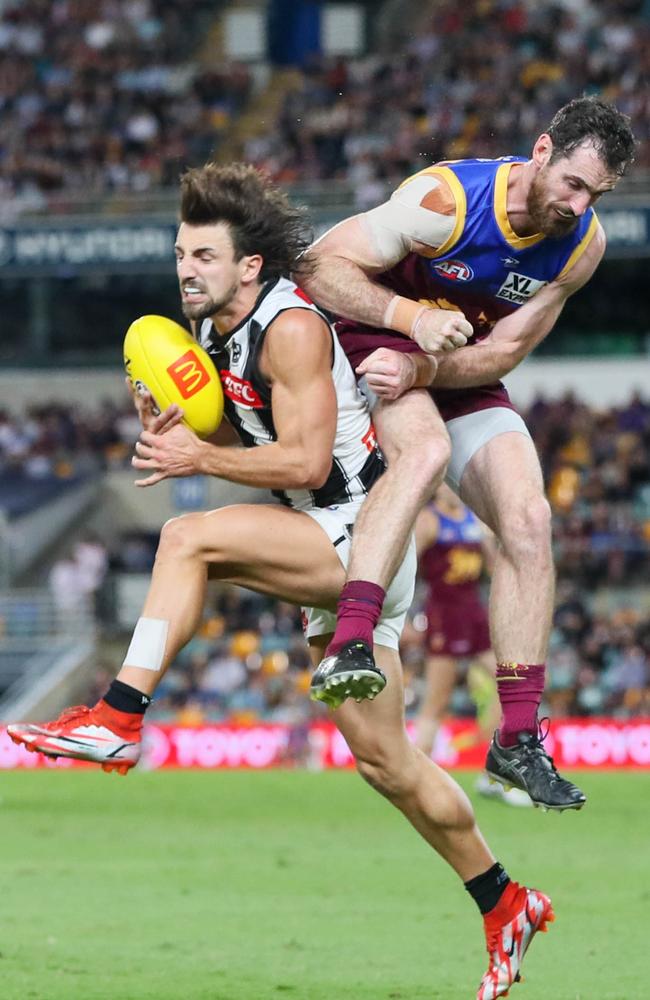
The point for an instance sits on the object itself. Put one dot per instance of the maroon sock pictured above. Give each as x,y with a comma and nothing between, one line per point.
358,611
520,687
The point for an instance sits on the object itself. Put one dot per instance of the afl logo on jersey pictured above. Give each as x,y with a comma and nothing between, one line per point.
453,270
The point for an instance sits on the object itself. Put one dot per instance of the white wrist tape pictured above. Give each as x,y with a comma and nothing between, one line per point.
147,648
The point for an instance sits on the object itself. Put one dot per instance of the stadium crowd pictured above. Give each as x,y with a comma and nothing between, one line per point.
101,97
596,465
597,469
112,97
477,78
250,660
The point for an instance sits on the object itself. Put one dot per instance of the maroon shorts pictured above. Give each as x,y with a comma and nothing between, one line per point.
457,629
358,344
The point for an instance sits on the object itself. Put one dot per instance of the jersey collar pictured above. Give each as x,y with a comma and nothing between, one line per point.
501,212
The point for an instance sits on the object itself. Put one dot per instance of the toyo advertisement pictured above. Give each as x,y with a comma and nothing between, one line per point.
573,743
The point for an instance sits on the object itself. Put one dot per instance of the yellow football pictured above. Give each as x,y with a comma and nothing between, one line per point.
164,359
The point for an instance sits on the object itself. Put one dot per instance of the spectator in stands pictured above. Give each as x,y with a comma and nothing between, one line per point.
475,76
107,97
68,585
75,579
121,101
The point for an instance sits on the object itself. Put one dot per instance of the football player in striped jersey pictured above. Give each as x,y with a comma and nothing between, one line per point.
306,431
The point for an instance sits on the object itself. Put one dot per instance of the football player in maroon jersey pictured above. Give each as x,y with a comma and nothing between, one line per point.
440,292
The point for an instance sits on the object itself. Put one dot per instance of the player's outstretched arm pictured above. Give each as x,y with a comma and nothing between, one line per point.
516,335
296,360
342,266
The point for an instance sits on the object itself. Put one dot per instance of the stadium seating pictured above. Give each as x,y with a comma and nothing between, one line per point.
477,78
98,102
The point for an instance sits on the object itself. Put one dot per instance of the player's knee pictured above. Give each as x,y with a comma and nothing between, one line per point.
528,531
436,456
178,538
422,462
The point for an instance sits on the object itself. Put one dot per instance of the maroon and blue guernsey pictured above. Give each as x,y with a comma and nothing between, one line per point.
452,566
457,621
484,269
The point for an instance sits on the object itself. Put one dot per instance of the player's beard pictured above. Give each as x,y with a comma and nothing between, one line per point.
543,212
204,310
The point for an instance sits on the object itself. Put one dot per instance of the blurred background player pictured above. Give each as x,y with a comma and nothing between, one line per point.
453,550
484,253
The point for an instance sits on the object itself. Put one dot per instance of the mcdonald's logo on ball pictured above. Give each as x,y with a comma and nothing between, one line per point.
189,374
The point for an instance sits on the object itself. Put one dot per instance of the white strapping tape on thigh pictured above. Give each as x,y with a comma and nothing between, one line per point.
147,648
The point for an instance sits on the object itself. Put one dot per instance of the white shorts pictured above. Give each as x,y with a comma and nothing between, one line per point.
469,433
337,522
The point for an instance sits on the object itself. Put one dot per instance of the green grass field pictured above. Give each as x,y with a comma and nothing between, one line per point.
259,886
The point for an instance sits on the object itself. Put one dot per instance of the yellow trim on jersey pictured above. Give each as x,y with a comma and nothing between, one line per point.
411,177
458,191
501,211
581,247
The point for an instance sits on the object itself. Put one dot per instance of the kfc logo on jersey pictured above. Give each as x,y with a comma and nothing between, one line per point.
518,288
454,270
188,374
370,439
240,391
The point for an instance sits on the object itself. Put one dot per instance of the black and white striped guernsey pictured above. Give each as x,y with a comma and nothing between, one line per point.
356,461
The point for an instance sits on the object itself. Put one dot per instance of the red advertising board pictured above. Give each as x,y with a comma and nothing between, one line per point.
574,743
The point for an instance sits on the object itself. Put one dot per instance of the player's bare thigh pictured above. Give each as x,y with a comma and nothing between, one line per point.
273,550
408,423
503,475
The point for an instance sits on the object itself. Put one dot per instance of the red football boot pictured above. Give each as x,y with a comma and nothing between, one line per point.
509,929
101,734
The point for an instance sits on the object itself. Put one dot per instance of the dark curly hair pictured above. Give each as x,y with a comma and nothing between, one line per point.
259,215
589,118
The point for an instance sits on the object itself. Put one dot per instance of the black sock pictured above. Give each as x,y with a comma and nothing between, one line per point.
487,889
125,698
